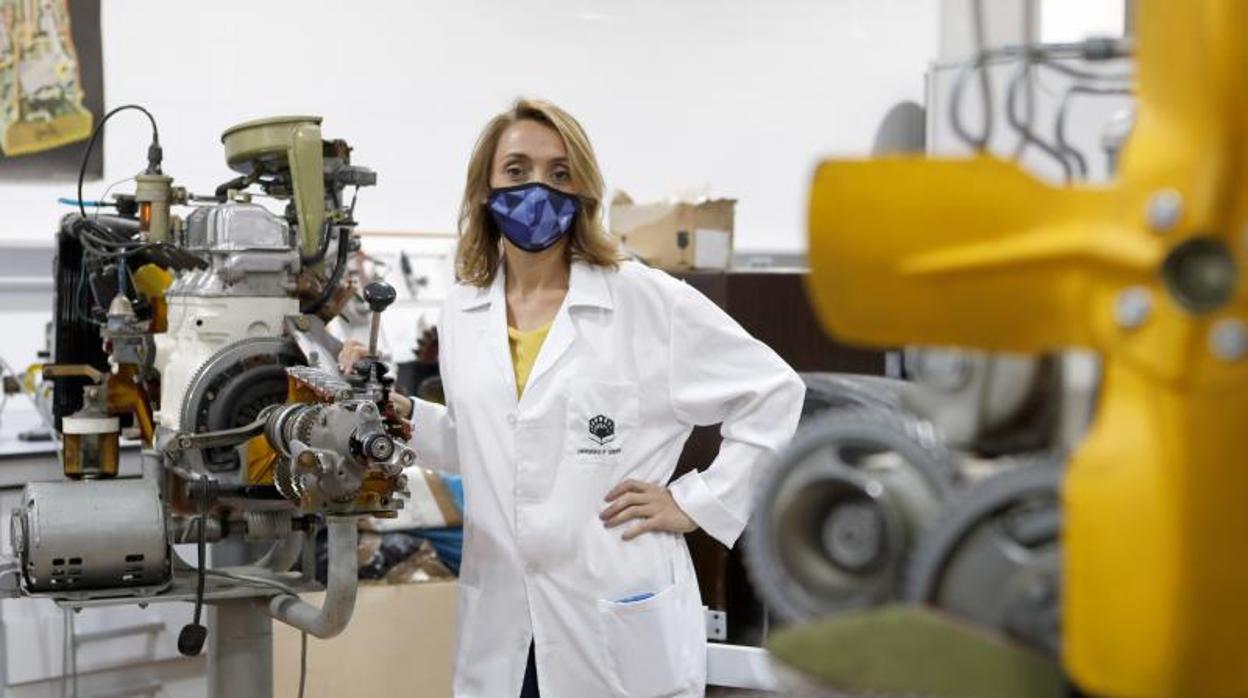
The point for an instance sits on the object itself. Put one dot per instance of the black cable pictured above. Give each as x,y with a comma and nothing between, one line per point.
978,64
1024,130
1073,72
154,154
985,79
1029,17
340,267
98,232
303,661
191,638
201,548
322,246
223,188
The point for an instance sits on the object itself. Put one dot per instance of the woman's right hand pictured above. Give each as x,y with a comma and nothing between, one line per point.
353,351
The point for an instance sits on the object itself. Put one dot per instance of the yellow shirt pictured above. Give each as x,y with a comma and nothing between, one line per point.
524,347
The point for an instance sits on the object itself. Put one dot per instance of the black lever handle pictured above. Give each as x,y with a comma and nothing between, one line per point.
379,295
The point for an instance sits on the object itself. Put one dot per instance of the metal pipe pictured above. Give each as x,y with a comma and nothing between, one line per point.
330,619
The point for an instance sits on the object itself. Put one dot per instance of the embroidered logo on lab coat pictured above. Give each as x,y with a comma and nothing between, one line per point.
601,430
601,433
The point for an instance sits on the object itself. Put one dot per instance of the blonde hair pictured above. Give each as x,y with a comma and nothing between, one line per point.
480,243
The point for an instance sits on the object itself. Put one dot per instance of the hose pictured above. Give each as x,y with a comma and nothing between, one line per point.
331,283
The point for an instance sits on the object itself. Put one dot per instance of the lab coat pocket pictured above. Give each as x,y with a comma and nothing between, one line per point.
602,420
654,644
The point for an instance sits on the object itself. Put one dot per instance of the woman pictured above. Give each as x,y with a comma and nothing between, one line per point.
573,380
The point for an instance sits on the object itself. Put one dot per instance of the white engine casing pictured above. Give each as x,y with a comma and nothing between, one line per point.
201,326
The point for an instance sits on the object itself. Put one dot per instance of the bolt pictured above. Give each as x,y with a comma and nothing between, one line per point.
303,324
1133,307
874,489
1200,273
1229,340
1165,208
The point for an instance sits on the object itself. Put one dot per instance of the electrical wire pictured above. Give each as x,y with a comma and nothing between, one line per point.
104,197
257,581
1071,71
192,636
1032,56
331,283
1024,130
303,660
95,236
73,652
322,245
69,656
153,150
65,649
201,547
985,79
1029,16
273,583
977,64
1064,107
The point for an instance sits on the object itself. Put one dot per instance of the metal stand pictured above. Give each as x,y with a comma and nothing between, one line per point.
240,634
240,649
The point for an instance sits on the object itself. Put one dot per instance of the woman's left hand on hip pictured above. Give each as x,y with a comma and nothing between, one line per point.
653,504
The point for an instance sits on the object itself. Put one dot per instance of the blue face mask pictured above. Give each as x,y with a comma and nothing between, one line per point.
533,216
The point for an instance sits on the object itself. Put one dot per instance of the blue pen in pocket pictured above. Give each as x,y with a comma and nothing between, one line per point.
636,597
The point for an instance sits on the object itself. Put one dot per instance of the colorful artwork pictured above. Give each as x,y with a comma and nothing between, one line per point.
45,104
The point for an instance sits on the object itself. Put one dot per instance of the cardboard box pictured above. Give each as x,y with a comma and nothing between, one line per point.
400,642
676,236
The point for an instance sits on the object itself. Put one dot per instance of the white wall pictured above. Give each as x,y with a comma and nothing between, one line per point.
1075,20
1005,22
736,95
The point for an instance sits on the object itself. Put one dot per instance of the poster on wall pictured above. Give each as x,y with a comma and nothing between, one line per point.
51,88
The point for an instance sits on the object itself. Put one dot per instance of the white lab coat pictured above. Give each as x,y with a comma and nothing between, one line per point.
651,357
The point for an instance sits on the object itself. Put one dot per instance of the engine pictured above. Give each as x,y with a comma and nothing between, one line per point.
202,336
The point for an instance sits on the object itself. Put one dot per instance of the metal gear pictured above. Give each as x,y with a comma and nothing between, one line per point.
994,557
840,509
306,421
283,480
231,388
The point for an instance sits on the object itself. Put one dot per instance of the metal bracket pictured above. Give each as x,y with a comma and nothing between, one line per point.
185,441
716,625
